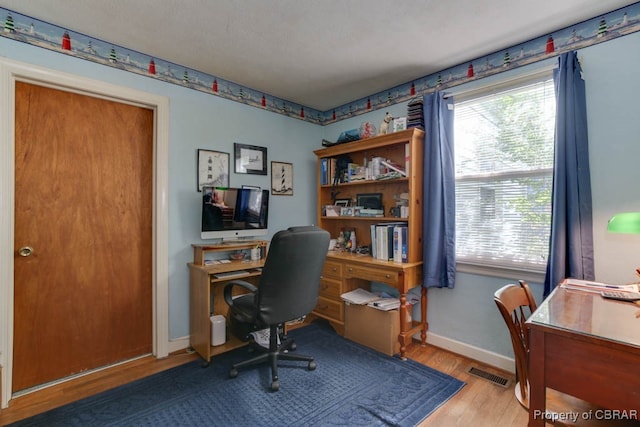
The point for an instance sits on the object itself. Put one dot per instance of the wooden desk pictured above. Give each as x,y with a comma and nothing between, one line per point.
586,346
206,293
345,271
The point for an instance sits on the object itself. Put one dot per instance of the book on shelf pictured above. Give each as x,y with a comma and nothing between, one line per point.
327,170
382,240
368,213
393,166
400,237
355,172
324,171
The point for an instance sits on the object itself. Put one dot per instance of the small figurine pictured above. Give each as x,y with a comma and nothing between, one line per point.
384,126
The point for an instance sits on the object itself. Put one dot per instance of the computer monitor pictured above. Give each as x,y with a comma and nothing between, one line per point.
234,213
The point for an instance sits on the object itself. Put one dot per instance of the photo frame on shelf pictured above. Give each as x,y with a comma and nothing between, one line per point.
343,202
250,159
369,200
282,179
332,210
213,169
346,211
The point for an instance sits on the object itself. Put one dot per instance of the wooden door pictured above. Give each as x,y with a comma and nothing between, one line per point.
83,203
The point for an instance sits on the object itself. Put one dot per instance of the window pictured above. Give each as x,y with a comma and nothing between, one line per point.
504,164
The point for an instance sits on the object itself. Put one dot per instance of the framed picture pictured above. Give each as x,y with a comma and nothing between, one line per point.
332,210
343,202
213,169
282,179
369,200
346,211
250,159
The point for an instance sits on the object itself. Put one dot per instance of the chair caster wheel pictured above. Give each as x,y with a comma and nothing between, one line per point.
275,386
233,373
312,365
293,347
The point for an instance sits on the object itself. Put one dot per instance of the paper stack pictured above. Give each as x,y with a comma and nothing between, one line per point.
596,287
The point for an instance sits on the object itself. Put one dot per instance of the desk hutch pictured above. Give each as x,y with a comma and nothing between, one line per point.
345,271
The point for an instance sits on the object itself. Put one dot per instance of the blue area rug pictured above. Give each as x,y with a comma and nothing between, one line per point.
351,386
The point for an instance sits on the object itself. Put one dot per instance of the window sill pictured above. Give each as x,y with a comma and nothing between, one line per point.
512,273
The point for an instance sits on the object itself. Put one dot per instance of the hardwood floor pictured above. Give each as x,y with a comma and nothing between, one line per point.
480,403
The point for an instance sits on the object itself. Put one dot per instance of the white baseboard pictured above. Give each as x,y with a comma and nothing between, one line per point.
178,344
485,356
481,355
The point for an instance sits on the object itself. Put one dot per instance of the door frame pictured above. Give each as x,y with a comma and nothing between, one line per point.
12,71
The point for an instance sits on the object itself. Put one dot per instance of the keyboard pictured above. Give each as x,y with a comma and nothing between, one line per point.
621,296
230,274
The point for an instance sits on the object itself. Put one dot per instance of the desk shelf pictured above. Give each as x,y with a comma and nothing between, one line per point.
206,293
199,249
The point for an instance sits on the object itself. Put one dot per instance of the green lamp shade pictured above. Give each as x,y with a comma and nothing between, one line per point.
626,222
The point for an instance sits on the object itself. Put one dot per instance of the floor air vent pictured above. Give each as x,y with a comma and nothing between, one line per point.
496,379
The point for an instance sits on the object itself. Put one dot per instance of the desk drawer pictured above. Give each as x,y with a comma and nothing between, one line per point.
330,309
330,288
374,274
332,269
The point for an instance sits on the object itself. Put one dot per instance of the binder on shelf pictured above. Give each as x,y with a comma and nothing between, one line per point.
384,240
373,241
324,171
400,247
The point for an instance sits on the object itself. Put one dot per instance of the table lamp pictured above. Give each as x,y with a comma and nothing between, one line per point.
626,222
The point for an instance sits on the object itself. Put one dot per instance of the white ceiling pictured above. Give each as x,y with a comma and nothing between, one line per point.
318,53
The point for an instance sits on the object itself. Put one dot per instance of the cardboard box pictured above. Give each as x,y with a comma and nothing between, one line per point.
374,328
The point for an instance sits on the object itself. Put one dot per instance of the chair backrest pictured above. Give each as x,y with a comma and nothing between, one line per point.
516,303
290,280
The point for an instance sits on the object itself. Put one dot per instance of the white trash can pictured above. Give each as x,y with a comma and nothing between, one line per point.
218,330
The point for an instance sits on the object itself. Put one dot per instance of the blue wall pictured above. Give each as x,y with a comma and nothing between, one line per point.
198,120
467,313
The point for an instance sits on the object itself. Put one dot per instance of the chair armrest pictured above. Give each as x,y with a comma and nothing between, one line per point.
228,288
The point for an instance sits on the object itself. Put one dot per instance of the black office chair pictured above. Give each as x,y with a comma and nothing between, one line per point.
288,290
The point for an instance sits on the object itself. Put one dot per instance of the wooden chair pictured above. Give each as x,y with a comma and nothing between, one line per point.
516,304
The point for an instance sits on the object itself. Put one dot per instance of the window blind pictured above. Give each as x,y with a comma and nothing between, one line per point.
504,164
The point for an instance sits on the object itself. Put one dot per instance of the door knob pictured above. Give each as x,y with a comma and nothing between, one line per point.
25,251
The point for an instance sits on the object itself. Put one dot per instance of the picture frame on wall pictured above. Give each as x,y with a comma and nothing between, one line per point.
213,169
282,179
250,159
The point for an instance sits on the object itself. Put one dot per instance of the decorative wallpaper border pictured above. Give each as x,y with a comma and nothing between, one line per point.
28,30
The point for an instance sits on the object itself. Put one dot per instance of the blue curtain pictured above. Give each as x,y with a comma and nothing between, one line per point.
439,210
571,241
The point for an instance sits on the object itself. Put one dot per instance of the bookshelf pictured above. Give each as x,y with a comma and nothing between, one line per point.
401,148
347,270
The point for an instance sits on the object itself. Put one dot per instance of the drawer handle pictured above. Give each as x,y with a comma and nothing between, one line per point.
323,307
325,286
387,275
350,269
334,269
